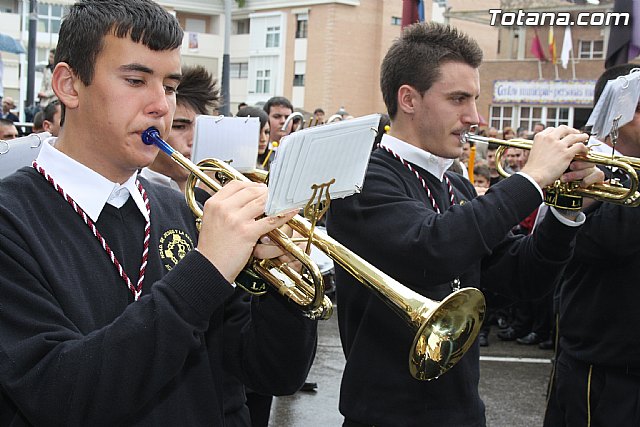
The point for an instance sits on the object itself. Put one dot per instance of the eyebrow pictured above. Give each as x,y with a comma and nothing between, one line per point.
186,121
463,93
144,69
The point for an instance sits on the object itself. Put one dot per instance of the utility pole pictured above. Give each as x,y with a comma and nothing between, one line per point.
31,52
225,109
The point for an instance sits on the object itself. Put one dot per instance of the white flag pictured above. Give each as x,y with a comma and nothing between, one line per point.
567,45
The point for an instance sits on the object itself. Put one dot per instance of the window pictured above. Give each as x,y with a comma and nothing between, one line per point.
590,49
302,25
273,36
557,116
298,80
239,70
396,20
195,25
529,116
49,17
501,117
240,26
263,82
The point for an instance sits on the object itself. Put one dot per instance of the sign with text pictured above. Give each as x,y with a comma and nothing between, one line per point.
573,92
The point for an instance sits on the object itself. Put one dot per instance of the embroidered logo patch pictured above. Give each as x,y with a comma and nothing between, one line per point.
174,245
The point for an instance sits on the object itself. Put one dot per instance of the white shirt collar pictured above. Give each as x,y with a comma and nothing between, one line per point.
90,190
158,178
433,164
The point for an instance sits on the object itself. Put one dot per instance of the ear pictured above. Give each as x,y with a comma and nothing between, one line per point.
63,83
406,99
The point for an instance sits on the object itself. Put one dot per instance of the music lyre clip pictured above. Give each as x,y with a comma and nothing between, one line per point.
316,207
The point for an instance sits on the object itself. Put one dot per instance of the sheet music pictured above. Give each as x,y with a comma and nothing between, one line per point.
20,152
230,139
316,155
619,98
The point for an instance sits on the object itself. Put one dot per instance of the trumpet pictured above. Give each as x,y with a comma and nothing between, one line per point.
444,330
611,192
308,291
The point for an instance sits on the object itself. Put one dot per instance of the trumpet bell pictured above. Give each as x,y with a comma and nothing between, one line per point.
446,334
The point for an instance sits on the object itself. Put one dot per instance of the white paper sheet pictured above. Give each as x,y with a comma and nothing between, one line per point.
231,139
318,154
20,152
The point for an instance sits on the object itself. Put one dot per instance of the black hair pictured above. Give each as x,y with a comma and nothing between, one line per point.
254,112
415,58
198,90
277,100
83,29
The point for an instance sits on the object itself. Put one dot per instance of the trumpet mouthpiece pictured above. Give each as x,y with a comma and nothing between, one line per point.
150,135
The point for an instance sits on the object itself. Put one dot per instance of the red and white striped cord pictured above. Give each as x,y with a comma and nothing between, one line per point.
135,290
421,179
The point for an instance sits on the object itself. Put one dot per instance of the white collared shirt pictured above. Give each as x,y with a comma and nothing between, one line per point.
158,178
433,164
90,190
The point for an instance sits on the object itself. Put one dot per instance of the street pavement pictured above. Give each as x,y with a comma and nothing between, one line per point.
513,383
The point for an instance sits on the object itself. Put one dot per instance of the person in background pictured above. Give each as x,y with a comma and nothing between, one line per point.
38,120
119,303
318,116
596,377
51,116
9,104
197,94
437,234
508,133
7,130
278,108
263,135
46,94
482,178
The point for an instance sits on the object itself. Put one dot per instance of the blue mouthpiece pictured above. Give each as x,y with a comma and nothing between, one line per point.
152,136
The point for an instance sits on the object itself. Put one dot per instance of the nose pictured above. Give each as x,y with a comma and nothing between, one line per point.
158,104
471,116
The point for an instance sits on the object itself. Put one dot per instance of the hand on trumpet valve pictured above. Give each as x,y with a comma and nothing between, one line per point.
584,172
552,152
267,249
230,229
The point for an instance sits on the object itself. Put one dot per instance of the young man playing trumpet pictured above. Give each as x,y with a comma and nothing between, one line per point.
118,309
426,228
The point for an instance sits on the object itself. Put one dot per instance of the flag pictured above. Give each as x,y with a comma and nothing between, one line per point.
552,46
412,12
536,47
619,36
567,47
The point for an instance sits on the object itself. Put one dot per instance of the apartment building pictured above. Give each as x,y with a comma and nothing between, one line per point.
316,53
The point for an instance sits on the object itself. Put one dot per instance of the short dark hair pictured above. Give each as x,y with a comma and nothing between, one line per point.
277,100
610,74
37,120
50,110
254,112
318,110
83,29
198,90
482,170
415,58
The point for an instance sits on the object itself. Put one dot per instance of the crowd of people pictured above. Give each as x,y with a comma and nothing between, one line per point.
125,312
